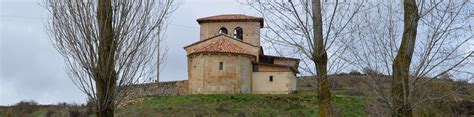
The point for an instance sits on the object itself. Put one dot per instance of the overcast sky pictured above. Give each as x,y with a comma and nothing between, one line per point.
30,67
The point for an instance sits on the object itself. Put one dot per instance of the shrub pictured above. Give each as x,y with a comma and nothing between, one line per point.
355,72
26,103
341,74
462,86
25,107
464,107
372,72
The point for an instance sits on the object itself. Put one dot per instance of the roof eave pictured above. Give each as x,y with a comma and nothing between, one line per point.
260,20
212,52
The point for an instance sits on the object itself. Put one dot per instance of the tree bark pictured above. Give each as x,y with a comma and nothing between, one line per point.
320,59
401,106
105,75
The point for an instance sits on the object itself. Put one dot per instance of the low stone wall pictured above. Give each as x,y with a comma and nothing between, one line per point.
170,88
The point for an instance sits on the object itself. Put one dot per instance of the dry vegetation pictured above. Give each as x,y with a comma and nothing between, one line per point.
351,95
455,97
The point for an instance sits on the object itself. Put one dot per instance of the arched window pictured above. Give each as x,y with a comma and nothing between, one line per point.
238,33
222,30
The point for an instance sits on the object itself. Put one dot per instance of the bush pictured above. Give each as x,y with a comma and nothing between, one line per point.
372,72
355,72
25,107
26,103
462,86
464,107
341,74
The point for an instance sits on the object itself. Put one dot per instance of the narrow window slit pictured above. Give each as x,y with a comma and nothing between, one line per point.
221,65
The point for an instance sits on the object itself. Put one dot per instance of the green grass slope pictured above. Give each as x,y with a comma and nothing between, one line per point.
303,104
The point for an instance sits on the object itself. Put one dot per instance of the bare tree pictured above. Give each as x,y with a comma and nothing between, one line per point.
439,47
108,44
401,107
312,31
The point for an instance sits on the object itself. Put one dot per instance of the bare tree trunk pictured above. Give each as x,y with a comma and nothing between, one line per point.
105,73
320,59
401,106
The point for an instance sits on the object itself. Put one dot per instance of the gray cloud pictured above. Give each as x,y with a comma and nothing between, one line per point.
30,67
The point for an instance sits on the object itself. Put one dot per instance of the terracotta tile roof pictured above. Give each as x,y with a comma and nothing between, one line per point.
231,18
224,46
280,57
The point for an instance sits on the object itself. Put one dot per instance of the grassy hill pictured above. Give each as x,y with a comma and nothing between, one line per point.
304,104
351,96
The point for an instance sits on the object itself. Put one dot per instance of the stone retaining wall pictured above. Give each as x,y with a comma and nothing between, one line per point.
170,88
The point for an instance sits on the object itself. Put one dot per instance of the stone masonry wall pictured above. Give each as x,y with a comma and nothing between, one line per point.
251,30
170,88
206,77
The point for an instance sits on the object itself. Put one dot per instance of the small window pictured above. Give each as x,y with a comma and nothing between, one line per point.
271,78
238,33
222,30
221,65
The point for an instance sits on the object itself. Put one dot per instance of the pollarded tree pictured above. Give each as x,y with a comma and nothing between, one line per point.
415,54
108,44
313,30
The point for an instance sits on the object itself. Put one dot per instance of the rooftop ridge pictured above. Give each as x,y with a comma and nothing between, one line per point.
231,18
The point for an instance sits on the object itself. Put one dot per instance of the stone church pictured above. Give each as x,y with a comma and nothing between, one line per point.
228,58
